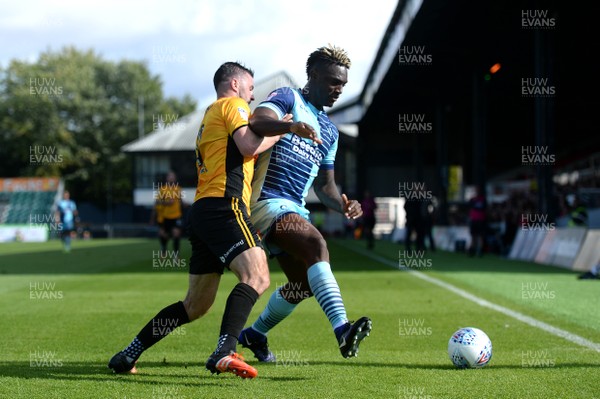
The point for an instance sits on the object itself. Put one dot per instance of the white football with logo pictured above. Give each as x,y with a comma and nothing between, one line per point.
470,347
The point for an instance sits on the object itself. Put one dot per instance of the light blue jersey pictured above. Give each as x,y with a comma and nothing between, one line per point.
288,169
66,209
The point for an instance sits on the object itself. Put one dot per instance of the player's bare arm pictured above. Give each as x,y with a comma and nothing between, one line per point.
328,194
265,122
251,144
269,141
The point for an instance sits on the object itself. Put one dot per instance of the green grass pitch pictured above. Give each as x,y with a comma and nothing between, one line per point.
65,315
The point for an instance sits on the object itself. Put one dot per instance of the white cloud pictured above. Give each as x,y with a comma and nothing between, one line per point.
267,35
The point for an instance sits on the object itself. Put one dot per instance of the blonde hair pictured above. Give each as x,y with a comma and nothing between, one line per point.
327,55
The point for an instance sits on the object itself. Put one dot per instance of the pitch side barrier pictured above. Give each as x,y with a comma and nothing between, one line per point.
589,253
574,248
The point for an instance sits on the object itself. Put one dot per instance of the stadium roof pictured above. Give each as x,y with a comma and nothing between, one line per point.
459,42
178,136
181,134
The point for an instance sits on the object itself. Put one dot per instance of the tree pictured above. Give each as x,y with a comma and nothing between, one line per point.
69,113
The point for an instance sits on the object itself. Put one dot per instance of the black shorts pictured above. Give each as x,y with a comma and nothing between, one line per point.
477,227
220,230
170,224
369,222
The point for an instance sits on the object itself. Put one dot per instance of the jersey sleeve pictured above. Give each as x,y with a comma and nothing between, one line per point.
235,114
281,101
327,162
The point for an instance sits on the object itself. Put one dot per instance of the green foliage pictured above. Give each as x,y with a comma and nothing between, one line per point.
82,108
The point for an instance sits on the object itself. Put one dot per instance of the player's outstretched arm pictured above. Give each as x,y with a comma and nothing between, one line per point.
327,192
268,142
264,122
251,144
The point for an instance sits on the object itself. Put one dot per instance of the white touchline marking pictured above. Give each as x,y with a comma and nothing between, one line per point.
482,302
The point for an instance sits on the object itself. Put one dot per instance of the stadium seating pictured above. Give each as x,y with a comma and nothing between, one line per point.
16,207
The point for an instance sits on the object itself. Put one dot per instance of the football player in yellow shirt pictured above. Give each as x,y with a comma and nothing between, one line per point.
169,204
221,233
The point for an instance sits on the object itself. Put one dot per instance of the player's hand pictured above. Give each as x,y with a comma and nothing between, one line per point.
352,208
287,118
305,130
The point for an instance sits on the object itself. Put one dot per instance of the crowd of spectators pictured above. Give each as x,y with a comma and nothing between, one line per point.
505,216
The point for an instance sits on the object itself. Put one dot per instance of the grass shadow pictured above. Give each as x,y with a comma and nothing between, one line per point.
140,256
95,256
448,366
440,261
147,374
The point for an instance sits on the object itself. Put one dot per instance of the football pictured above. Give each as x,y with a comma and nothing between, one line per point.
470,347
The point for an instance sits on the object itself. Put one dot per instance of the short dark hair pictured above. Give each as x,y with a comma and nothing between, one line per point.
229,70
327,55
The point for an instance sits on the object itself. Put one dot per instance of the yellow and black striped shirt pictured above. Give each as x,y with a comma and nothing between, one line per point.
169,198
222,170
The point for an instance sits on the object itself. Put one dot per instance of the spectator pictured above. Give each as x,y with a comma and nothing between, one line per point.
477,221
427,213
592,274
511,226
414,224
578,217
368,218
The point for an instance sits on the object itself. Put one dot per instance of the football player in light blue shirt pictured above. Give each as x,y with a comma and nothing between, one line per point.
67,214
282,178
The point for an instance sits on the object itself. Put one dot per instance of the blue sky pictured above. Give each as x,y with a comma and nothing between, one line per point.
184,41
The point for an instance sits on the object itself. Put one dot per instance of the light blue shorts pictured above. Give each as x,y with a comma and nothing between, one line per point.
265,213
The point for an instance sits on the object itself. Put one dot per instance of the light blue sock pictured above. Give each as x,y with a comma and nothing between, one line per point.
327,292
68,243
277,309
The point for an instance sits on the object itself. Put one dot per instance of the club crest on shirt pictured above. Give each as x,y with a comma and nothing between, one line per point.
243,113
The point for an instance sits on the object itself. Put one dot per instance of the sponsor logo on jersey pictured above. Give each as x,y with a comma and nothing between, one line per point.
243,113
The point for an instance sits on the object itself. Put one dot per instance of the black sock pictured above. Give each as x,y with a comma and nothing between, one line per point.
163,244
239,304
176,245
135,349
161,325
